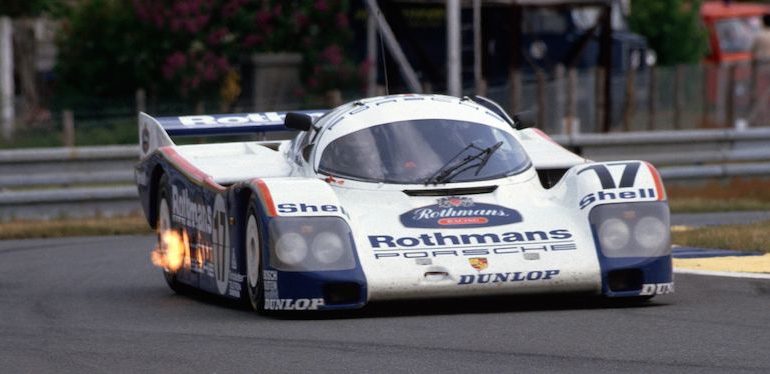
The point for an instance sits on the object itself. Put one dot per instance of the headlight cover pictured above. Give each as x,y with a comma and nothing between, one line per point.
632,229
310,244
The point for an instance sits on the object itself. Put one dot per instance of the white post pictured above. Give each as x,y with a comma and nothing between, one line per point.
371,55
477,78
454,45
395,49
6,78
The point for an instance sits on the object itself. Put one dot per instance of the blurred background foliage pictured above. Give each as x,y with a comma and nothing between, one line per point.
673,29
27,8
195,55
194,50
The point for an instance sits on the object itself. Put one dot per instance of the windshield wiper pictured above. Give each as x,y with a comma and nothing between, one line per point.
451,169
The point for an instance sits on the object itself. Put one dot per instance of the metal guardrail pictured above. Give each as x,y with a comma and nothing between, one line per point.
68,182
681,155
88,181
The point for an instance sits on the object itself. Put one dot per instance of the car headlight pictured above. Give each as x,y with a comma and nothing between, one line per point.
614,234
310,244
650,232
632,229
327,247
291,248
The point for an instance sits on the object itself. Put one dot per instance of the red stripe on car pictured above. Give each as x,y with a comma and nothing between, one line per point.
658,181
266,197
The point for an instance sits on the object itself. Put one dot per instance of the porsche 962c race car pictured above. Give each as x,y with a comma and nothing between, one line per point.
396,197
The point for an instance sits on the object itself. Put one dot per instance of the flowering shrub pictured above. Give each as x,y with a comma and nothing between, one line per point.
193,48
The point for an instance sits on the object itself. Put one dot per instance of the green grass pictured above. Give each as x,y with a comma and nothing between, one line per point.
753,237
736,194
87,132
130,225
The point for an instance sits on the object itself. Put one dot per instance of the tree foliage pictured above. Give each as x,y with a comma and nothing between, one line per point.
100,52
25,8
672,27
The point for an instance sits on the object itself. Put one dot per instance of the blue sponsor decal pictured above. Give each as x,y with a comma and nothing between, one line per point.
459,212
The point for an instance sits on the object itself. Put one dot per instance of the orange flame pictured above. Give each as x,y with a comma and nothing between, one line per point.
172,250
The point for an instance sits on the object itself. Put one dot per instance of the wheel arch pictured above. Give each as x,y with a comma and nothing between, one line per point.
157,173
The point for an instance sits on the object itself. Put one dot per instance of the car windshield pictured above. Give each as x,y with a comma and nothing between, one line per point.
423,152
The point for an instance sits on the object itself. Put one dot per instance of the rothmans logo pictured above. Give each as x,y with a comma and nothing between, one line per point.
459,212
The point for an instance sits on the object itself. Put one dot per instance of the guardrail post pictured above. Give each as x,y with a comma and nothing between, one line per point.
6,78
731,95
571,122
68,134
653,95
540,76
600,97
678,77
141,100
628,108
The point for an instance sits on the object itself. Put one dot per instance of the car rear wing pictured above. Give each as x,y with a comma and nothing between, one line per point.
155,132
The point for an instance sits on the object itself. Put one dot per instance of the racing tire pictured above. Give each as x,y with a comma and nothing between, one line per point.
163,224
255,291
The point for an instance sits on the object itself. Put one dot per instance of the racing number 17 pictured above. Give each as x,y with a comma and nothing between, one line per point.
605,178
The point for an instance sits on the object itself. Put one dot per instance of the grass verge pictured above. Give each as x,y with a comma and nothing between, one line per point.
735,194
130,225
753,237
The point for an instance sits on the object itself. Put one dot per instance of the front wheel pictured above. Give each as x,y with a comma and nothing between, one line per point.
253,246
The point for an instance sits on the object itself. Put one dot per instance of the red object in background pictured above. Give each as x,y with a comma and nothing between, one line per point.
731,28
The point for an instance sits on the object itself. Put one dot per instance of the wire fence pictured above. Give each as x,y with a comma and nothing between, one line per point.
658,98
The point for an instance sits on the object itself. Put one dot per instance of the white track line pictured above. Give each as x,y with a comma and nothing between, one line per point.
730,274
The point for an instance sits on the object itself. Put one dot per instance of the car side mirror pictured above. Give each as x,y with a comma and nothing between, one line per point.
525,119
298,121
494,107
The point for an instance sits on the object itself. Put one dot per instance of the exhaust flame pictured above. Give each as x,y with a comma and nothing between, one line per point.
170,253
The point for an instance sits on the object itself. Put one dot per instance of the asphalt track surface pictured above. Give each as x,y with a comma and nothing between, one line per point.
97,305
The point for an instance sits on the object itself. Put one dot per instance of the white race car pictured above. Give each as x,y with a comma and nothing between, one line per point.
396,197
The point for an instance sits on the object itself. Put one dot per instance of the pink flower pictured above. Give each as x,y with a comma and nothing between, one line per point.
252,40
231,8
209,73
222,64
321,6
217,35
182,8
263,17
173,63
301,20
158,20
342,20
190,25
176,25
332,54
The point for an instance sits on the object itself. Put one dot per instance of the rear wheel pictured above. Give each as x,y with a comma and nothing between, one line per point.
164,225
253,247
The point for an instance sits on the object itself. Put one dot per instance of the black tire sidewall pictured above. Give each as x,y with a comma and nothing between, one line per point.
170,277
